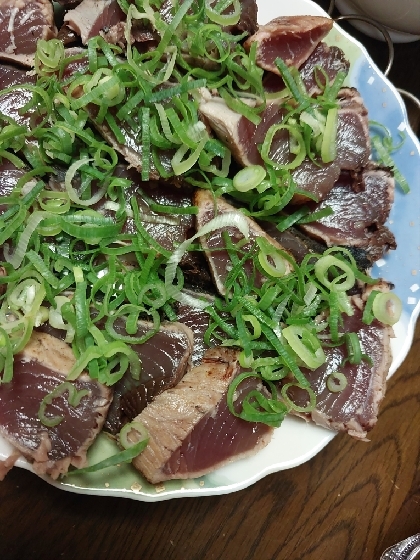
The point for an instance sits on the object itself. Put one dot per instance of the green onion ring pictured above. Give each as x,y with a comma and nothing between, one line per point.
387,308
341,283
305,345
312,398
248,178
140,431
336,382
74,398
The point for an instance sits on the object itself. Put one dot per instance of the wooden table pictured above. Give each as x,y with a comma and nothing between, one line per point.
349,502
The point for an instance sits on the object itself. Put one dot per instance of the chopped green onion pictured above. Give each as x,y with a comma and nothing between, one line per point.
233,219
220,17
126,456
74,398
33,222
354,349
248,178
383,155
70,174
256,407
293,406
387,308
295,135
136,429
305,344
267,251
48,56
6,357
329,144
368,315
336,382
339,283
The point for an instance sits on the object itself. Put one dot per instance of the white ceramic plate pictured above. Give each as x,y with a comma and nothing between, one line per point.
296,442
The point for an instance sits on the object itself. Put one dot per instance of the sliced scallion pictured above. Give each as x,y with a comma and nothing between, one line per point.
305,344
340,282
249,178
387,308
336,382
311,403
74,398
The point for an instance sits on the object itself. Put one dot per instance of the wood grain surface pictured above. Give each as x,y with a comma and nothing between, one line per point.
350,502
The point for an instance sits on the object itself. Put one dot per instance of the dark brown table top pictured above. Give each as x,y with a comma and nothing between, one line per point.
349,502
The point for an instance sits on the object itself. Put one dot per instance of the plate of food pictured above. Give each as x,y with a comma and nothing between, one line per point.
210,248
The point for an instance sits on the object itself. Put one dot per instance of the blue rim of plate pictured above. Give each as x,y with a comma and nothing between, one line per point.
296,442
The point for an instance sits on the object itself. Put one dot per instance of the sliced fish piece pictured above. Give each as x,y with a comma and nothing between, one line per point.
354,409
38,370
214,245
361,205
165,358
22,25
291,38
192,432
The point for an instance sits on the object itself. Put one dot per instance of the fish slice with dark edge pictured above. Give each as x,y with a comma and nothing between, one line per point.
39,369
22,24
331,59
214,245
291,38
165,358
355,408
316,177
300,244
192,432
95,17
294,241
361,205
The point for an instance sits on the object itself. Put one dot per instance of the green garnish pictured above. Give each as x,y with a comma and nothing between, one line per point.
74,398
384,146
336,382
131,450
